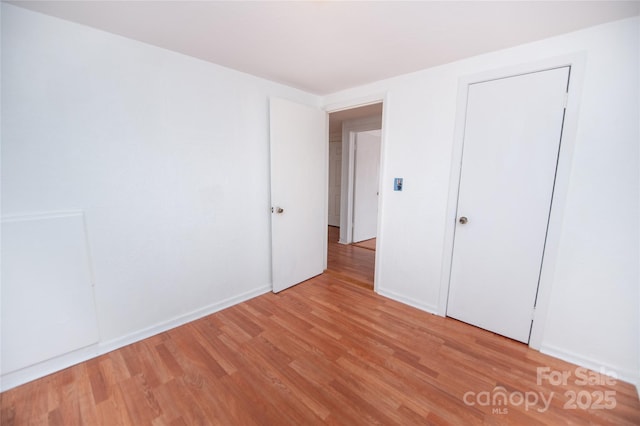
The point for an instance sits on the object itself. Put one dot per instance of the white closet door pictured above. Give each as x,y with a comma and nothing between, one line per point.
512,136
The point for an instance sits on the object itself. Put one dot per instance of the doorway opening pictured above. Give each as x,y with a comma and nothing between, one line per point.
353,192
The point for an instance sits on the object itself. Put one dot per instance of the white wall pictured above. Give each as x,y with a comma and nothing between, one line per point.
168,157
593,309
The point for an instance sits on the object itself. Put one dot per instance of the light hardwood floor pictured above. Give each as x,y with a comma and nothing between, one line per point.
368,244
328,351
348,263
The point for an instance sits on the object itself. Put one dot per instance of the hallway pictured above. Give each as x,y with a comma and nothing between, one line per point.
349,263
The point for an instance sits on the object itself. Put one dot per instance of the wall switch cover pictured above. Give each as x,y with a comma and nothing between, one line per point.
397,184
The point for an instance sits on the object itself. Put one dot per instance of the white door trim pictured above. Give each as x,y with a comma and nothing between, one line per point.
577,63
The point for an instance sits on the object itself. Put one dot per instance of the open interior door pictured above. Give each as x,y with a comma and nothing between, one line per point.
299,141
366,181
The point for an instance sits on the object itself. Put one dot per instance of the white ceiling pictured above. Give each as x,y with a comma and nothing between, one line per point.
326,46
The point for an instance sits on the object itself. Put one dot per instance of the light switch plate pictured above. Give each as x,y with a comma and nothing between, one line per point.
397,184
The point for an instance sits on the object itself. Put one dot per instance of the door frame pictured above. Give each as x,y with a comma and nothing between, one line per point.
350,104
577,63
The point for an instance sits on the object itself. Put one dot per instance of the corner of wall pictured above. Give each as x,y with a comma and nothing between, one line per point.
41,369
432,309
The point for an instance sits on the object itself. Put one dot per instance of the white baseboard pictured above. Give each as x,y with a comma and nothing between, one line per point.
432,309
625,375
36,371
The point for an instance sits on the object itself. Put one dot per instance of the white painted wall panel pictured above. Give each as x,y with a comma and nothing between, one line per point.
47,293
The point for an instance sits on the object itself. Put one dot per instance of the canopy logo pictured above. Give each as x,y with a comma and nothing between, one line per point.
500,399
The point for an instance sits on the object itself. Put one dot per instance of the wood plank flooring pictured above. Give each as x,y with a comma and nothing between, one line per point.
349,263
328,351
367,244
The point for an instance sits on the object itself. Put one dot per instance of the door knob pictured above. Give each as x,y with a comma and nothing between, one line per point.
279,210
463,220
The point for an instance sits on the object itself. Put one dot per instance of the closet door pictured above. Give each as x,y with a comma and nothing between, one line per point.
513,128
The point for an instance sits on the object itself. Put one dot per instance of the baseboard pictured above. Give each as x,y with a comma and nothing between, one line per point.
432,309
624,375
36,371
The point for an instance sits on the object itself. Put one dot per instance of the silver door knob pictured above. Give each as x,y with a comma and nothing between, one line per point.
463,220
279,210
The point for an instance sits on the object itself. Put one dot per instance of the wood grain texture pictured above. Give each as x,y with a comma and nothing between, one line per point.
348,262
367,244
327,351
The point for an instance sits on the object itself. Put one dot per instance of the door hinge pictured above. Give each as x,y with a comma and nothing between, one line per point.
533,313
565,100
